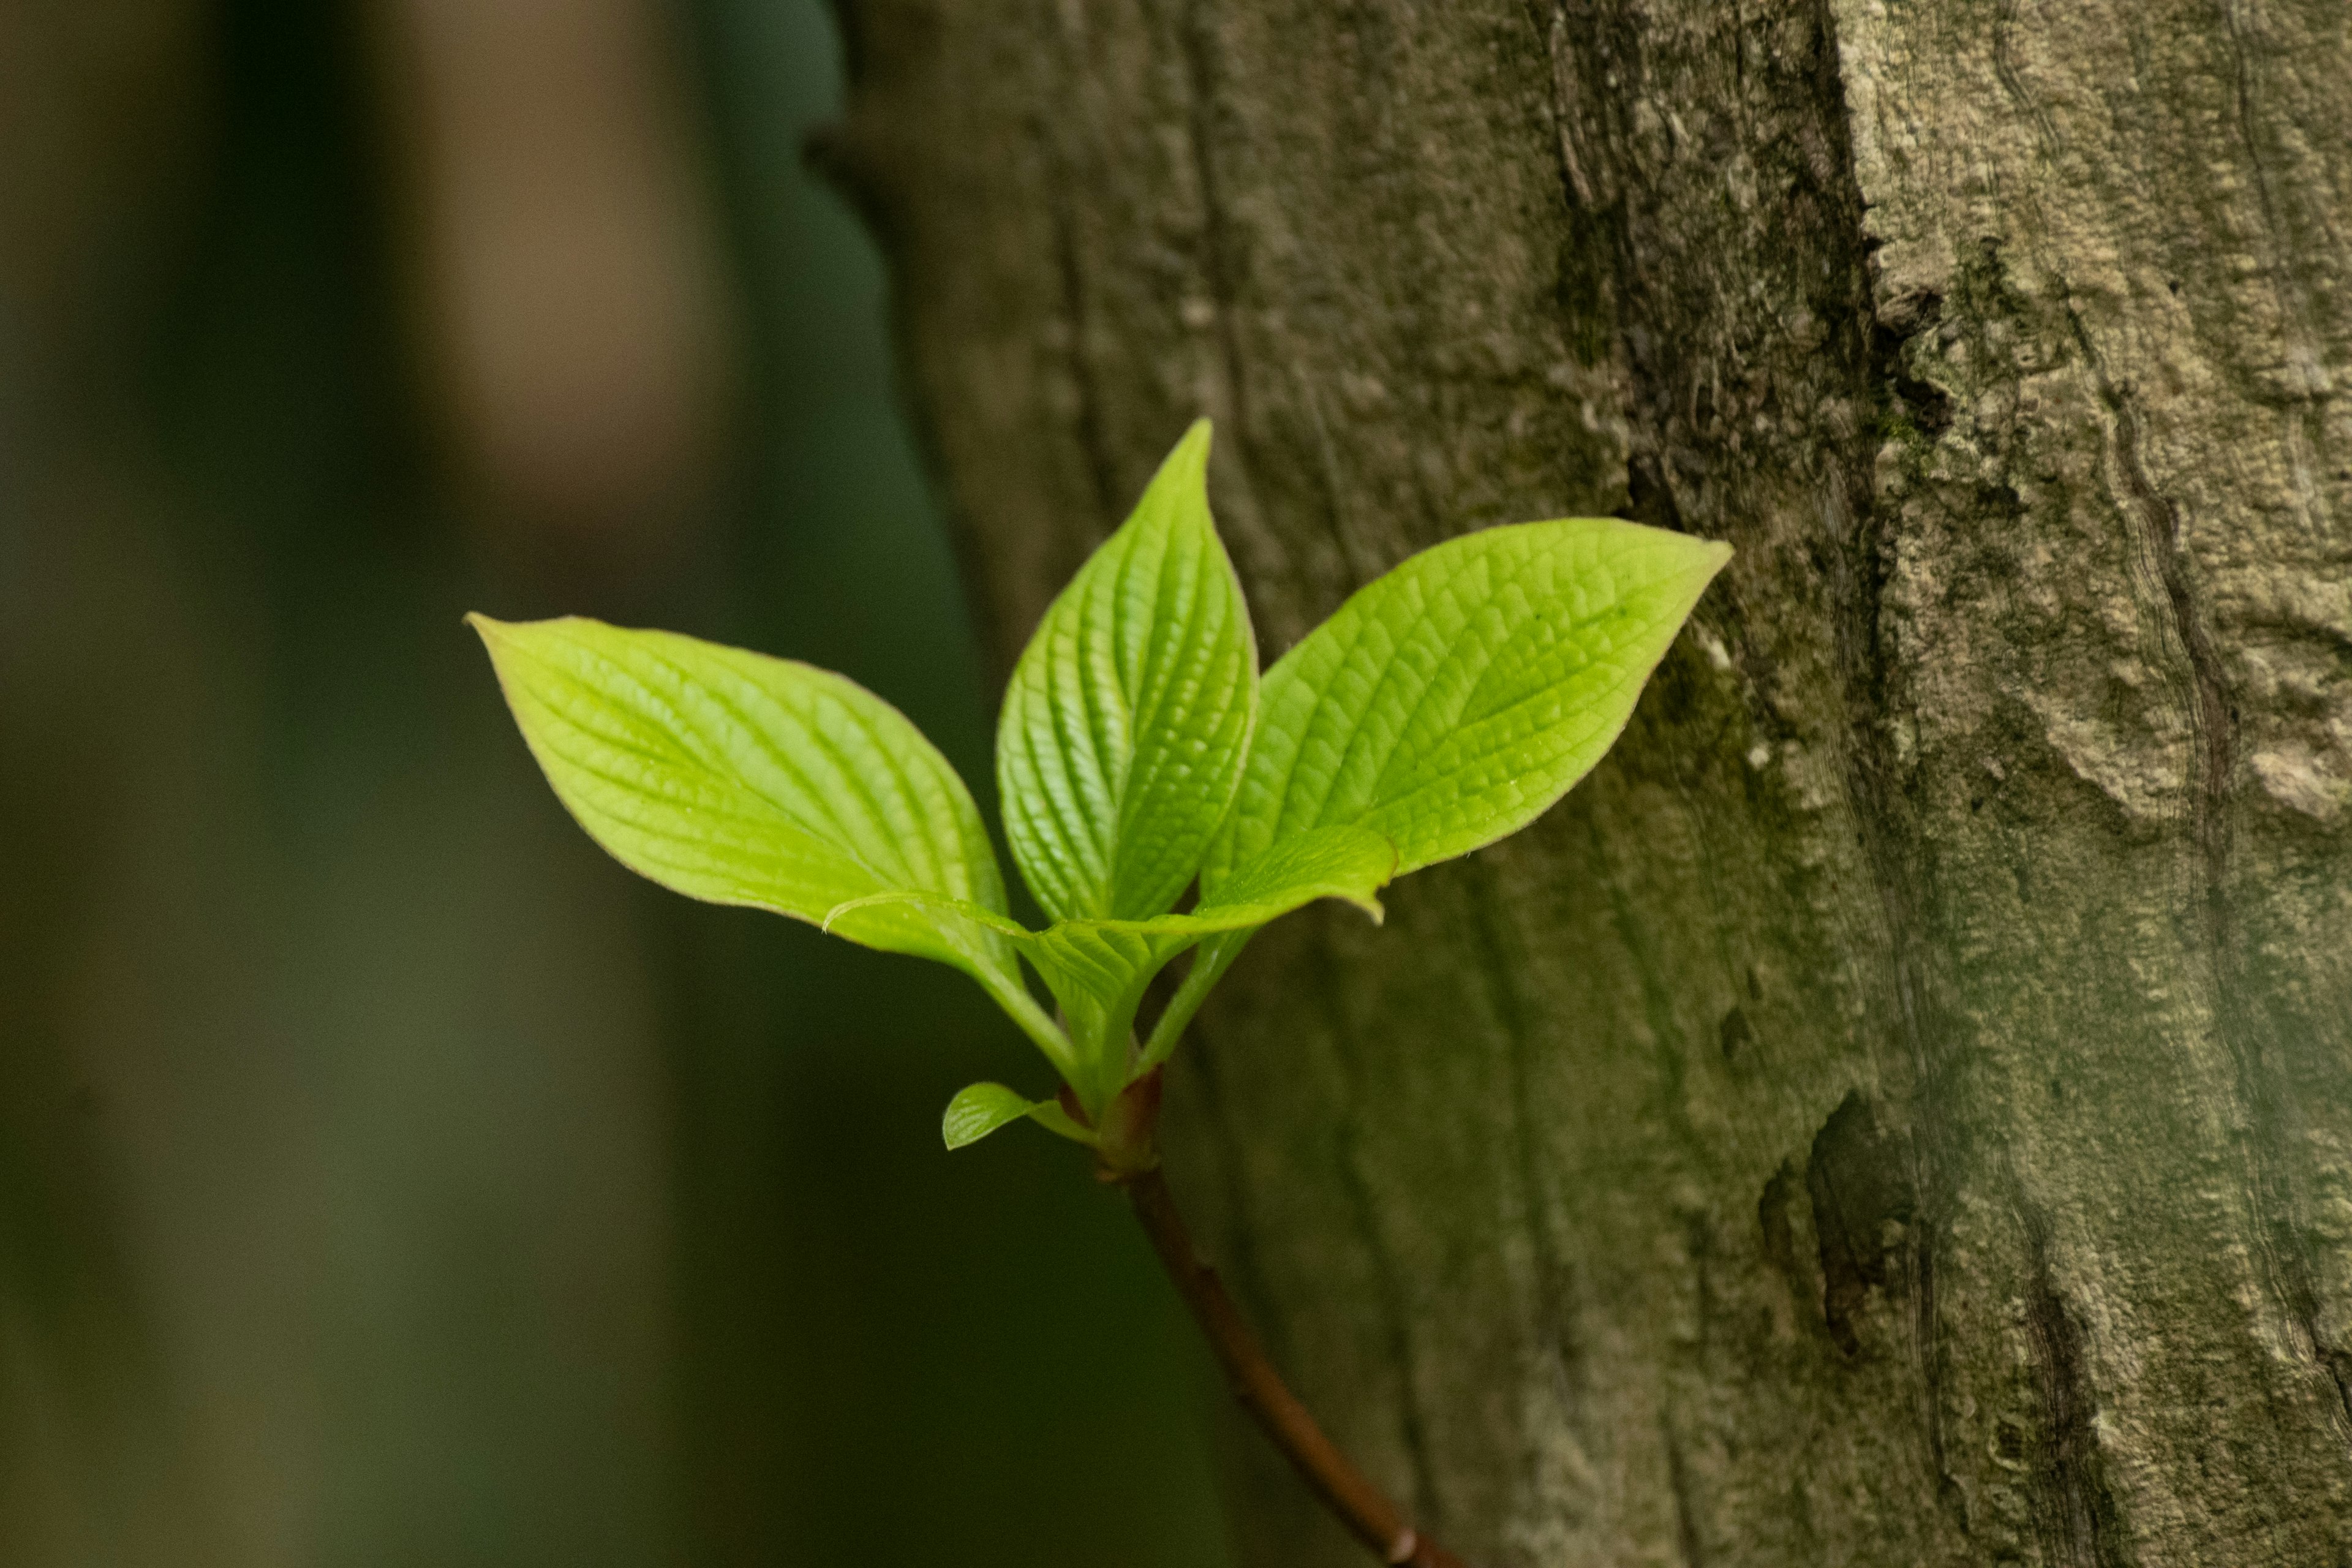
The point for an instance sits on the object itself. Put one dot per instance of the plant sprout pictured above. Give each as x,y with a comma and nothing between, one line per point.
1139,754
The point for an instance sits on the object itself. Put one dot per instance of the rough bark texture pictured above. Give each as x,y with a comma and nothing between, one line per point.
1899,1110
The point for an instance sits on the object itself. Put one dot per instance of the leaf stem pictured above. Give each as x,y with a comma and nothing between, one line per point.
1351,1496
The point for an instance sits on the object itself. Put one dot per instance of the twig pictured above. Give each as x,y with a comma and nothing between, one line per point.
1360,1505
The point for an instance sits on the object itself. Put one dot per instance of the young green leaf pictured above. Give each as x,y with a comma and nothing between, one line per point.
1129,715
1451,702
979,1109
1097,970
741,779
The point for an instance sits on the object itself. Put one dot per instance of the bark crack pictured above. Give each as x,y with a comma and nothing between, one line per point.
1915,1012
1551,32
1856,553
2076,1516
2155,529
2004,70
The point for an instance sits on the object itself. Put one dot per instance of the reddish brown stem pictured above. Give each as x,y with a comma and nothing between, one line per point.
1360,1505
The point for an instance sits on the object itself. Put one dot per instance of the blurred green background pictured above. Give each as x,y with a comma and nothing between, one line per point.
385,1177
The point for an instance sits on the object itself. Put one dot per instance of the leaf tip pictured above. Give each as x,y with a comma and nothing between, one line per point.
1187,463
501,641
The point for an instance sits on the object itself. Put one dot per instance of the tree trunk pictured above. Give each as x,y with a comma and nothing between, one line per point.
1899,1110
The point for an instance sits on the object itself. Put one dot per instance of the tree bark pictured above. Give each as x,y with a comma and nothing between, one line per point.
1899,1108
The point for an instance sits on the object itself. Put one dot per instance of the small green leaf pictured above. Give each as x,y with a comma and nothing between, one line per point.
1096,969
1451,702
741,779
1099,969
1127,719
981,1109
1088,977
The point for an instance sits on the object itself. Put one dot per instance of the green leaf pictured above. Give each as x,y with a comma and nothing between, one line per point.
1097,970
741,779
981,1109
1127,719
1453,700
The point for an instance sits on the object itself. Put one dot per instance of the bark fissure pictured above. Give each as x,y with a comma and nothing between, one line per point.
1928,1351
1910,997
1860,1184
1912,1010
1552,30
2155,523
2013,80
2077,1516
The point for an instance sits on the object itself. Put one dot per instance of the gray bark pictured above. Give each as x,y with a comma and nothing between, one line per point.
1899,1110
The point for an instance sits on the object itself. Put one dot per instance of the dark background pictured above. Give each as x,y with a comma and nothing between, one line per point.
386,1176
